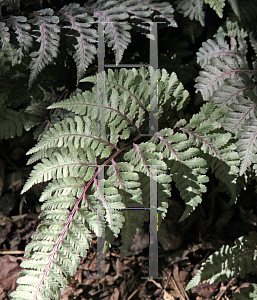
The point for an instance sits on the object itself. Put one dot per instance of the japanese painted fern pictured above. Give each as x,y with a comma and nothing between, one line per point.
80,154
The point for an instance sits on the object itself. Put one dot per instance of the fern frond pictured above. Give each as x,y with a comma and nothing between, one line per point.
24,38
73,155
127,181
247,145
235,7
229,262
171,89
4,35
204,129
232,28
147,163
20,120
64,186
192,9
85,49
253,41
239,112
78,132
48,269
187,169
48,39
137,10
217,5
230,91
164,10
211,49
116,30
62,164
215,75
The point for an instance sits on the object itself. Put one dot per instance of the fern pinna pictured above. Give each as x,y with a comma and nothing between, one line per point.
74,152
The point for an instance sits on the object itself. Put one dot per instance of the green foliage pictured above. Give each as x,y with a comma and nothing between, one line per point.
246,293
93,146
43,37
229,262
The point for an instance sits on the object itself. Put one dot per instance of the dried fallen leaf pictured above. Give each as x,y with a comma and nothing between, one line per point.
9,271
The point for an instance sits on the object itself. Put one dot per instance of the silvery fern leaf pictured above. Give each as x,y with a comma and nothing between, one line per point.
48,39
213,77
85,49
60,164
24,38
228,93
116,31
78,132
247,145
211,49
137,10
239,112
221,65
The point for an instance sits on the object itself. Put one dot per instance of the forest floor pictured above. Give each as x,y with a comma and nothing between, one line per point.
182,246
